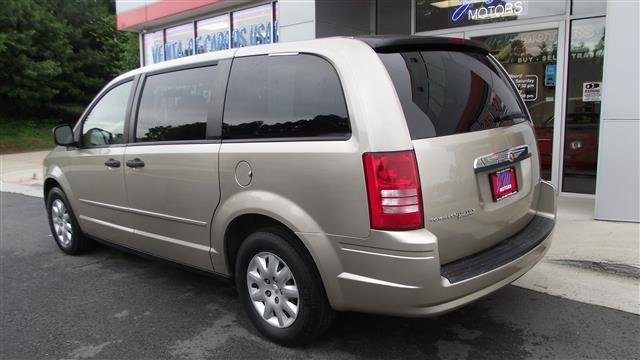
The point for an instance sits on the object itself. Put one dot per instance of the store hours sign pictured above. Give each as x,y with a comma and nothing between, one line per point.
527,85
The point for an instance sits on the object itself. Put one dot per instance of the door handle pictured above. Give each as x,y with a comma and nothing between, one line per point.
112,163
135,163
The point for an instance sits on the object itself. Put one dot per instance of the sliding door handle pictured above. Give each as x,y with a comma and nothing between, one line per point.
112,163
135,163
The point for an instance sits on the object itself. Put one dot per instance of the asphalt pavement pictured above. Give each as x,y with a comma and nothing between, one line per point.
112,305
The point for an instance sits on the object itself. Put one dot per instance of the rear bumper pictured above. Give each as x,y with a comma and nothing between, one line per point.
399,273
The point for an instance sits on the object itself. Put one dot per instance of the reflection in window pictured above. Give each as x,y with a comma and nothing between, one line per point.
179,41
153,47
174,106
284,96
448,92
588,7
213,34
253,26
584,95
105,123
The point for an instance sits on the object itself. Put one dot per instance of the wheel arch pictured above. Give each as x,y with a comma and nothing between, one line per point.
55,177
241,227
49,183
254,209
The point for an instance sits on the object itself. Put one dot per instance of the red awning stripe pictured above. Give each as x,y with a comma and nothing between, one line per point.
158,10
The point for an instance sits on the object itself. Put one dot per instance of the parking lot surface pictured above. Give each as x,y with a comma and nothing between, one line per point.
112,305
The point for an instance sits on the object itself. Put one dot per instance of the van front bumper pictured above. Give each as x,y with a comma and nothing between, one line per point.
407,279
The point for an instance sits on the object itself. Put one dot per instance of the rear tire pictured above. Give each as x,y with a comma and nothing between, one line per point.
64,226
289,310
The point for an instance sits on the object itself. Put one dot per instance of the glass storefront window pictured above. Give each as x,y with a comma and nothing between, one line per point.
153,47
588,7
584,95
276,18
179,41
213,34
443,14
530,59
252,26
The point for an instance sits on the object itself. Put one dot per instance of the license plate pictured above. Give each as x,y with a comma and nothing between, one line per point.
503,183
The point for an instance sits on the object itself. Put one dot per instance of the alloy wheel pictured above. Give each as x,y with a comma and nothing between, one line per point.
61,219
273,290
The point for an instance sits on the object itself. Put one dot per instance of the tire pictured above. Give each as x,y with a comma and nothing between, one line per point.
314,314
63,224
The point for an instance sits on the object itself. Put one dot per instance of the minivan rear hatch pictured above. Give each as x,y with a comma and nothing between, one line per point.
473,142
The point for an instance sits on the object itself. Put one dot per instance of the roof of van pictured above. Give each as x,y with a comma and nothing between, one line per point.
379,43
396,43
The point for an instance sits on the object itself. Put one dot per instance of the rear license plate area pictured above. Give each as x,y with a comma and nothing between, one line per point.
503,183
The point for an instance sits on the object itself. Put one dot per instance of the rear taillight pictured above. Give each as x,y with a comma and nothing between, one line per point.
393,187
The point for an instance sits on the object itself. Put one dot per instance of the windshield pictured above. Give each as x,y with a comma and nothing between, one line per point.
451,92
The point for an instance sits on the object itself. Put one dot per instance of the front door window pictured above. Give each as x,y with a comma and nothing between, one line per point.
105,123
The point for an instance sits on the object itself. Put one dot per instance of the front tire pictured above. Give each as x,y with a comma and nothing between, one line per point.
281,289
64,226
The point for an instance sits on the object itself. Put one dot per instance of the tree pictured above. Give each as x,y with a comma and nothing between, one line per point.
60,54
32,42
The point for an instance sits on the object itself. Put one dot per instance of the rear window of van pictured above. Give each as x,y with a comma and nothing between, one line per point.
451,92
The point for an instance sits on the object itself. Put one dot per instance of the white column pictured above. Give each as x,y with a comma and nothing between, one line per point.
618,180
297,20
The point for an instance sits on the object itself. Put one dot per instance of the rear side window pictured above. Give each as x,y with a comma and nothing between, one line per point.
174,106
451,92
291,96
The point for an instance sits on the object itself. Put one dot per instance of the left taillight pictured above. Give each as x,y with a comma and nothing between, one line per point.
393,190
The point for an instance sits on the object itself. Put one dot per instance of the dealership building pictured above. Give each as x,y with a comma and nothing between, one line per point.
575,63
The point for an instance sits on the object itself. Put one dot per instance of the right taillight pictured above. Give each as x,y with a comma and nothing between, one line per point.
393,188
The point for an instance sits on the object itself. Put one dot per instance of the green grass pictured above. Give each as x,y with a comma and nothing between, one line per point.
25,135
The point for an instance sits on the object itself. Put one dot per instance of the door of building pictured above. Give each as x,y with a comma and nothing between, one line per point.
532,55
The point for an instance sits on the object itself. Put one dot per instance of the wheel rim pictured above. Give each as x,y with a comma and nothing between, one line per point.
63,229
273,290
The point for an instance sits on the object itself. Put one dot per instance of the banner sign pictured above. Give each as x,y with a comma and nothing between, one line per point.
251,26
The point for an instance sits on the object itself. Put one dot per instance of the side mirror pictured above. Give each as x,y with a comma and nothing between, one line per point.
63,135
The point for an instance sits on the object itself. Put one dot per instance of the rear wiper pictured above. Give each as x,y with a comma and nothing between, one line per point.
508,117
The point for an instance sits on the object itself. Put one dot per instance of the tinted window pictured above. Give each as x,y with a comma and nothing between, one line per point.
448,92
284,96
105,123
174,106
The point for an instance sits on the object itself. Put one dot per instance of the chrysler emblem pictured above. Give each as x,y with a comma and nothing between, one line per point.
493,160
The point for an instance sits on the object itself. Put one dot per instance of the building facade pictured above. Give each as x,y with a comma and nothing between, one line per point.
556,51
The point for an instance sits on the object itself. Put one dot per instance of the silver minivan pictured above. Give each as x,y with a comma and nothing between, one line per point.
391,175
